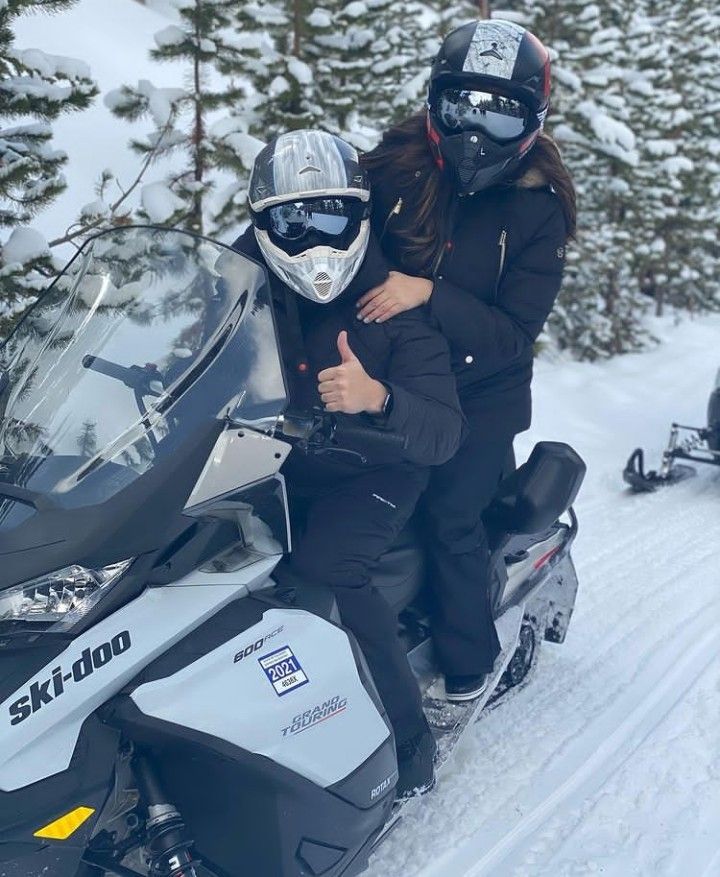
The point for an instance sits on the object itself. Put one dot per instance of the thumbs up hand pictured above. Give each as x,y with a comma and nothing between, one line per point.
348,387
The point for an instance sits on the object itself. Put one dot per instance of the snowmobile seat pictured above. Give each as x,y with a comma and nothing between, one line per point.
528,502
536,494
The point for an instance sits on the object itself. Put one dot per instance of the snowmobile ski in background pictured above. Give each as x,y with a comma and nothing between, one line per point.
698,444
165,709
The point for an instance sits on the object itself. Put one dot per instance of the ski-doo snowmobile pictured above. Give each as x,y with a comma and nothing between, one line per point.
164,708
698,444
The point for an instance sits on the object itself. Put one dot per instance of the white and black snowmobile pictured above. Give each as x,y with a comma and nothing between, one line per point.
698,444
164,709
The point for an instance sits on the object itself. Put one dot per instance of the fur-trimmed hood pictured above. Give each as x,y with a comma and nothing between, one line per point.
532,178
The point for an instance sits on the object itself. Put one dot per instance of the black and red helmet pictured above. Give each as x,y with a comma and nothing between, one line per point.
488,98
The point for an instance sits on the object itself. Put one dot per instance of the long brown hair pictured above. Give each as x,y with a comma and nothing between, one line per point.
403,160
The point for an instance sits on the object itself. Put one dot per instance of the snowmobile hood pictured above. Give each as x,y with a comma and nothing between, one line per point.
114,387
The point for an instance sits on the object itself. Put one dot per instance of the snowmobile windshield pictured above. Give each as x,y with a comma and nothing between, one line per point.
147,334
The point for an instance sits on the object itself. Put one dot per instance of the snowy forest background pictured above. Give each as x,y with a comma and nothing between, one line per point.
635,111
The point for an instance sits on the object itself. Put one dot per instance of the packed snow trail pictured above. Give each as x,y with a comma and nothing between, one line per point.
608,761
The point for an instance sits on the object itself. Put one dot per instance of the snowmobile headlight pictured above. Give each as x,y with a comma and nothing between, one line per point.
59,599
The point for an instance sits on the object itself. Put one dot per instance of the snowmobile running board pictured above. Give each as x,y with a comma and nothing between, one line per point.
450,720
695,447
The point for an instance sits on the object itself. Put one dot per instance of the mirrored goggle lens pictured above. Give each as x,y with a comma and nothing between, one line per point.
329,216
501,118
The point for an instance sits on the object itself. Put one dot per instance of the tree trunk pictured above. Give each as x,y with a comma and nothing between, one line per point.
485,10
198,137
297,26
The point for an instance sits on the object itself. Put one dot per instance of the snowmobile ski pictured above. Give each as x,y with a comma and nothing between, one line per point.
696,444
696,447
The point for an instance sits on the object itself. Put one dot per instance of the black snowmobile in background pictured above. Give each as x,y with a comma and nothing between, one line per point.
698,444
165,709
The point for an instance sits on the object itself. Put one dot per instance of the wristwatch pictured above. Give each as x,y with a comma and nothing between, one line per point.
388,403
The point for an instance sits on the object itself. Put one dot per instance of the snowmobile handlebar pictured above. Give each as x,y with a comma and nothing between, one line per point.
105,367
320,432
136,377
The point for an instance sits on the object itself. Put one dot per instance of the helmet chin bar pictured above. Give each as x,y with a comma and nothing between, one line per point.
320,274
477,162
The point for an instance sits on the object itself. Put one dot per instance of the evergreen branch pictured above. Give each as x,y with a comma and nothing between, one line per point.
85,228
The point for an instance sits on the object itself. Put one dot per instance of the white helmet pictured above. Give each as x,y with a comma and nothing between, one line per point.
310,206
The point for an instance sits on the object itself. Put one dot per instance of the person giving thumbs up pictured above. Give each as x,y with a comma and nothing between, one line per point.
348,387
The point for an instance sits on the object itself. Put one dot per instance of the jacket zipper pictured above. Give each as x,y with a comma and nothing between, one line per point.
502,243
394,212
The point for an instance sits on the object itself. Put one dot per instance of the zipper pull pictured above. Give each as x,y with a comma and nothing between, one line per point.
394,212
502,243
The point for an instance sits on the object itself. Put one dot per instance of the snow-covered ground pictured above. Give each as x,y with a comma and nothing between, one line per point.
608,762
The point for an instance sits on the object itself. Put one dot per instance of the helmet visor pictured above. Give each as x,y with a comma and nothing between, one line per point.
299,225
500,118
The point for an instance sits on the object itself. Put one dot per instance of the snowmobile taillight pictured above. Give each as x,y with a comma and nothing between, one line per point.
59,599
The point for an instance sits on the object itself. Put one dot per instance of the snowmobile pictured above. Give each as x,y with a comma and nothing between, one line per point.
165,709
699,444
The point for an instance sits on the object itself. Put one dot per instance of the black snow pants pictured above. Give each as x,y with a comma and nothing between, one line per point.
348,526
466,642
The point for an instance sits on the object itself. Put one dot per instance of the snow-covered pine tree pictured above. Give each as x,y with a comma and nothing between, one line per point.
660,222
365,62
284,80
600,308
452,15
35,88
202,127
692,31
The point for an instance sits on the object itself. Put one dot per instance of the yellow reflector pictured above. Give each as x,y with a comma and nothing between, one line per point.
62,828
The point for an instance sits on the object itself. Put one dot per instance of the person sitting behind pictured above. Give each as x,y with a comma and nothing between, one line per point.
310,207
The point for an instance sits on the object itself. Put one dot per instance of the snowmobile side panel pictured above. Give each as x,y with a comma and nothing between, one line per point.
40,721
250,815
239,458
86,783
300,700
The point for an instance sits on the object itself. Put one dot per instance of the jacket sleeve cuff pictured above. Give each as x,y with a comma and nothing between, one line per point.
397,419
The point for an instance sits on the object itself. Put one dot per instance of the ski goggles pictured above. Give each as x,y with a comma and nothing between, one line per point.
331,219
501,118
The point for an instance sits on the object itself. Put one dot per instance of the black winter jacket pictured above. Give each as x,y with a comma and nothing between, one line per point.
494,287
407,354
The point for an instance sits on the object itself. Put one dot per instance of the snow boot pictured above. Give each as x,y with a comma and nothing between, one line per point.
416,764
463,688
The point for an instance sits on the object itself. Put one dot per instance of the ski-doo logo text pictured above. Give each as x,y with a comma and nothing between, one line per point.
314,716
44,692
